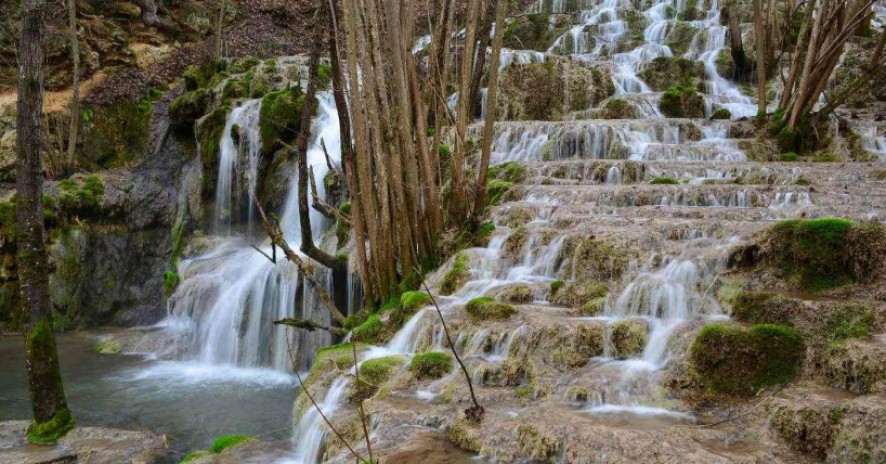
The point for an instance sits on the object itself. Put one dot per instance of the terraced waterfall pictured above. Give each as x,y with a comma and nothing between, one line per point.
611,244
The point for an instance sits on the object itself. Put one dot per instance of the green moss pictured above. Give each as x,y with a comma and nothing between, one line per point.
367,331
577,394
853,323
229,441
171,279
736,361
681,102
519,293
108,346
618,109
485,308
721,113
456,276
464,435
194,455
629,338
594,307
818,253
241,65
280,118
414,300
197,77
47,433
556,286
510,171
664,72
189,107
577,294
787,140
664,181
532,32
374,373
324,75
114,135
788,157
764,307
430,364
496,190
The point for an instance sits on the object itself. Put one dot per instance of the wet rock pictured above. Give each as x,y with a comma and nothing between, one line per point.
486,309
629,338
548,90
516,293
577,294
664,72
682,102
83,445
858,366
464,435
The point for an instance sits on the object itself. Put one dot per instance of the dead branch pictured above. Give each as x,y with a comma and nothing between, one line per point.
311,326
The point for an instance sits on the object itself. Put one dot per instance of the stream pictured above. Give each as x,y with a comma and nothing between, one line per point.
189,402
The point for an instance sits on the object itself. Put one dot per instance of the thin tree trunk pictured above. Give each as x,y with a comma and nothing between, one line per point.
74,108
51,416
797,61
491,107
736,46
811,56
307,238
219,26
760,45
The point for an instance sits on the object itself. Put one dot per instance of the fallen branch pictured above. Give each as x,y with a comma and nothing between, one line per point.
276,235
325,208
476,412
311,326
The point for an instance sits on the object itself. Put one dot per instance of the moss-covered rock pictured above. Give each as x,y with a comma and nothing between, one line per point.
664,181
594,307
368,331
629,338
49,432
464,435
595,258
617,108
496,191
808,429
225,442
577,294
518,293
721,113
665,72
510,171
533,32
765,308
486,309
537,444
414,300
189,107
457,275
681,102
737,361
858,366
373,374
108,346
819,254
548,90
280,118
430,364
574,349
114,135
680,37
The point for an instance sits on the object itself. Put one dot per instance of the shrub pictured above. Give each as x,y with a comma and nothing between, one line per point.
789,156
740,362
485,308
430,364
324,74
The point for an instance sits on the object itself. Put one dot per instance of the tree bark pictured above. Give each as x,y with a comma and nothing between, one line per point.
74,108
491,108
760,45
304,212
736,46
51,415
219,27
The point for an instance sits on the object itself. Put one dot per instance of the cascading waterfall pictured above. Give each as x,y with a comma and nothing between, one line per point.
228,298
230,169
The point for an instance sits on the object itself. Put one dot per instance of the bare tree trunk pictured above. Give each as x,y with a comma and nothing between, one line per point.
736,46
304,212
760,45
491,107
458,195
74,108
219,28
51,416
797,61
811,56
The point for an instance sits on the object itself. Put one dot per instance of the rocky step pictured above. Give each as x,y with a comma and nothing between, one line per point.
524,212
630,172
725,195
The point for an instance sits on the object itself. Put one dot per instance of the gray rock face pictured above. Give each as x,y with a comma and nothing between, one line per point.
83,445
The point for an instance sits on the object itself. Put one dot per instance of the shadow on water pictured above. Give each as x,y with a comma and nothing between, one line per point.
185,402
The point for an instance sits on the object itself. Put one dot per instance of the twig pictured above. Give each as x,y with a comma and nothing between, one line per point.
310,326
325,208
476,412
310,397
273,257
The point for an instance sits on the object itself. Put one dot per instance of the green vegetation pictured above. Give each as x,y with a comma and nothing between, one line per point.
485,308
47,433
374,373
788,157
721,113
368,331
464,435
496,190
456,276
594,307
682,102
430,364
189,107
511,171
324,75
171,279
664,72
618,109
819,254
280,118
228,441
194,455
577,294
414,300
737,361
629,338
108,346
74,198
664,181
520,293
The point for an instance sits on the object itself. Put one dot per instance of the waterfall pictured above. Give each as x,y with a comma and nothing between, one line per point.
311,431
227,190
225,305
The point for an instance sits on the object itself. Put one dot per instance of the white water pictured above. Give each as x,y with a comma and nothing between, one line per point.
222,312
311,431
230,167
